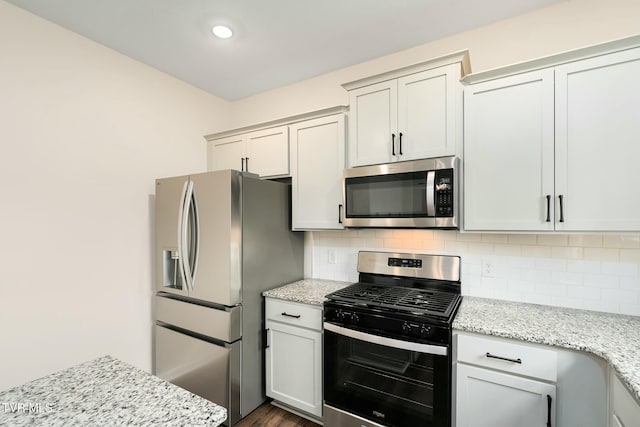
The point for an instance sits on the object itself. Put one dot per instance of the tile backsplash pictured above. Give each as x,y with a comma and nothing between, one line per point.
594,272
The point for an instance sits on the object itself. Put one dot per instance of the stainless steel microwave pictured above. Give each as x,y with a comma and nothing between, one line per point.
412,194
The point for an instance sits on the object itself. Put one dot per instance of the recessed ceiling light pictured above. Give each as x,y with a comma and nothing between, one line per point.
222,31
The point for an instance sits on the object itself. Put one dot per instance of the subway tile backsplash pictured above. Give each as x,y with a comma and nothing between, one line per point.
592,272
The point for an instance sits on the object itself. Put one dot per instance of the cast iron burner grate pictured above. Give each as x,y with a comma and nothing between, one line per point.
420,301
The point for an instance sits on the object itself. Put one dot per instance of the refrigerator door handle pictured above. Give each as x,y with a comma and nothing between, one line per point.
186,252
181,254
194,218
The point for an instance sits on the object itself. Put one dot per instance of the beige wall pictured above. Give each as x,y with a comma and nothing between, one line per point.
83,133
567,25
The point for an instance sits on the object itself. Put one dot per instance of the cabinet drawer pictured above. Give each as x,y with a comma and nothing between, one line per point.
294,313
502,355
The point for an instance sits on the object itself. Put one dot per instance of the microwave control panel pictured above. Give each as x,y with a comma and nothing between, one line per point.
444,197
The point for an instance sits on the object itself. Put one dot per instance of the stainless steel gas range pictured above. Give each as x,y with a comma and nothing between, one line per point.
387,342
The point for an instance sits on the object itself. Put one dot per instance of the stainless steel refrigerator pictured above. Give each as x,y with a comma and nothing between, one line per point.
221,239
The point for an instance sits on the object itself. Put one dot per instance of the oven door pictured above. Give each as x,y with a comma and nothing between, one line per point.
387,381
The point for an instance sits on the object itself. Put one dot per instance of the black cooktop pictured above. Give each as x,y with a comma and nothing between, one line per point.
399,298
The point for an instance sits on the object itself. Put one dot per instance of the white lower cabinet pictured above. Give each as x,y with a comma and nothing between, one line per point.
624,409
502,382
294,355
487,398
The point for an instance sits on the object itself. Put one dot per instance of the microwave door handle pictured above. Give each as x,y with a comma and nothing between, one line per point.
431,194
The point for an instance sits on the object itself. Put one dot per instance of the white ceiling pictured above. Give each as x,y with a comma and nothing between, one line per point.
276,42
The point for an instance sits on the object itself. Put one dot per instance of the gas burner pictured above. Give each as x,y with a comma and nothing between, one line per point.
405,283
400,298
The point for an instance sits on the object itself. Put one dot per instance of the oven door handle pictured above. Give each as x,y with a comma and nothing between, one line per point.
389,342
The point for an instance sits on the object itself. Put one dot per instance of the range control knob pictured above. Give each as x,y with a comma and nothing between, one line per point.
340,315
425,331
354,318
406,328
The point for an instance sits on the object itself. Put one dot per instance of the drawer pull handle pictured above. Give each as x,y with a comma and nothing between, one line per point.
504,358
295,316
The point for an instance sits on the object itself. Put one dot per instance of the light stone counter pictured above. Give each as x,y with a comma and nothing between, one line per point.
307,291
105,392
613,337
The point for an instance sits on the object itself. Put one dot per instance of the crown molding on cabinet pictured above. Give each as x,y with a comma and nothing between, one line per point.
556,59
279,122
462,57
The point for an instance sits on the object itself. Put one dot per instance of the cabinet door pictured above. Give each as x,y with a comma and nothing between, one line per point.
294,367
486,398
227,153
268,152
508,153
374,118
428,113
625,411
317,161
597,128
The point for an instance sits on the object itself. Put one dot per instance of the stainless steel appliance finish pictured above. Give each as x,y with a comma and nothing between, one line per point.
338,418
221,239
435,267
412,194
387,342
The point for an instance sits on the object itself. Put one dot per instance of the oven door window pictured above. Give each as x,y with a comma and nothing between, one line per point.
402,195
387,385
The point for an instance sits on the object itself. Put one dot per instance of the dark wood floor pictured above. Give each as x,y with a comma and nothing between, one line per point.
268,415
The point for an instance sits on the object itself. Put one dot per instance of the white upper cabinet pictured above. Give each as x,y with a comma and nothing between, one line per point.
508,153
407,114
554,149
317,161
374,120
597,143
264,152
227,153
429,108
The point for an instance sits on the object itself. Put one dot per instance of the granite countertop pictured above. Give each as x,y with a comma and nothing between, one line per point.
613,337
104,392
307,291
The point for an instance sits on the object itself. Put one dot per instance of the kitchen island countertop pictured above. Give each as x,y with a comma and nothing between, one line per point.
613,337
105,391
306,291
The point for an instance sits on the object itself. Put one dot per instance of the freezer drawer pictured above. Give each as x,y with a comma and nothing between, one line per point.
204,368
221,324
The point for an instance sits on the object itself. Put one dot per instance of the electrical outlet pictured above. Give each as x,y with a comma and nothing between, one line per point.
331,256
488,269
